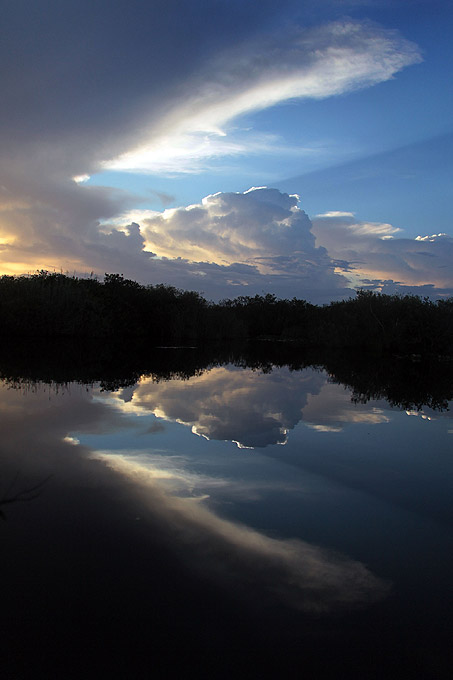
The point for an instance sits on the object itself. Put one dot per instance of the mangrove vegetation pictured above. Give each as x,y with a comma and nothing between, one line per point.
54,305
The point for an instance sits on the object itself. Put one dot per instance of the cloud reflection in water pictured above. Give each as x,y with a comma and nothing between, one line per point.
286,571
250,408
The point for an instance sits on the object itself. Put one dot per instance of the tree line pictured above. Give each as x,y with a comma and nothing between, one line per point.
56,305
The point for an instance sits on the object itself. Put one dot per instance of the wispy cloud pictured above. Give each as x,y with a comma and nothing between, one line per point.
303,63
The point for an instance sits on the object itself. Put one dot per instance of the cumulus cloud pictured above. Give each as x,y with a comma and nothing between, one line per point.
229,244
248,227
370,256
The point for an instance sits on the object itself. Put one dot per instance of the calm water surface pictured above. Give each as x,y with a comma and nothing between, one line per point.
236,521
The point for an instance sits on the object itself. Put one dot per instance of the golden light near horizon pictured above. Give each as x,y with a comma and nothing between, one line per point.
34,266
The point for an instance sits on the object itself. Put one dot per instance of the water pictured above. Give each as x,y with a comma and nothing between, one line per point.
229,520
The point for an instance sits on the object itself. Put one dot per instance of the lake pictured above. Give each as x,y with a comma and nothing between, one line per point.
225,513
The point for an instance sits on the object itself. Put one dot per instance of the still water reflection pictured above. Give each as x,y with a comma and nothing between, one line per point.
241,517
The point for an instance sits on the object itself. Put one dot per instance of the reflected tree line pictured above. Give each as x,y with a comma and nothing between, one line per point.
404,382
51,305
408,382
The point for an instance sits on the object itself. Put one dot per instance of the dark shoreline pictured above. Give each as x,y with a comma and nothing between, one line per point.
120,310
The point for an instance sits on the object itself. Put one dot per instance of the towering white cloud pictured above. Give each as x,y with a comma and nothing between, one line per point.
230,227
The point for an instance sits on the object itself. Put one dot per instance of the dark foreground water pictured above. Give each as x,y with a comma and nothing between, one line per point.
222,520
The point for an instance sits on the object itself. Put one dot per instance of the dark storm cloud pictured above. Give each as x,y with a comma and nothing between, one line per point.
82,82
72,70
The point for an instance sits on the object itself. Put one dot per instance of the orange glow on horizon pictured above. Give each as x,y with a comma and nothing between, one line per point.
29,268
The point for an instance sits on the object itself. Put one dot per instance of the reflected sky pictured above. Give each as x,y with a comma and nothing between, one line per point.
336,452
248,407
175,486
254,409
342,462
353,513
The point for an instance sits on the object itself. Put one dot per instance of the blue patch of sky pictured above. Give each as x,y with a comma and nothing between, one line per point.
408,187
398,165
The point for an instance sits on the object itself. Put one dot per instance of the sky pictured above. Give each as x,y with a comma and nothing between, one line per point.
234,148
